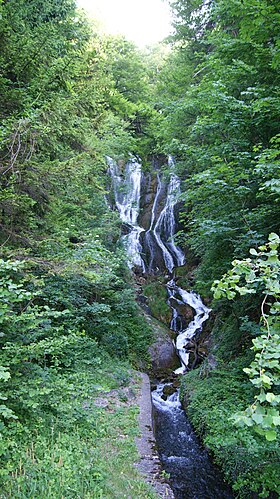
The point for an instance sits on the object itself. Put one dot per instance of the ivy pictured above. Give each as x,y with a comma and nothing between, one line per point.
260,275
5,412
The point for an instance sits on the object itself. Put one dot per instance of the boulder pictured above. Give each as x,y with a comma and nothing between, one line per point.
163,356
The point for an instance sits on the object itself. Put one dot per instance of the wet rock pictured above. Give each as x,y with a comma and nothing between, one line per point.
138,273
153,386
149,186
163,356
169,390
183,309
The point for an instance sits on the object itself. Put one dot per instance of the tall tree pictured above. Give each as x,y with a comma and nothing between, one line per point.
224,114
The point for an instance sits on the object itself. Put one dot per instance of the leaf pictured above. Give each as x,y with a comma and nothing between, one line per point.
247,421
253,252
270,397
258,418
276,420
261,397
270,435
266,379
274,238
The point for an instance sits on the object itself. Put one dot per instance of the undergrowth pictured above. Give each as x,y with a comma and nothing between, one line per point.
211,397
76,439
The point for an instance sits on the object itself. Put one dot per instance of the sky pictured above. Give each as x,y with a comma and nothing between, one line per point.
144,22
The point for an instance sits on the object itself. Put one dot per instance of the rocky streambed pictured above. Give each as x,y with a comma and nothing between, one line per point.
148,208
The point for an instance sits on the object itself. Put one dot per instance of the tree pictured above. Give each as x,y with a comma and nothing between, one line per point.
219,113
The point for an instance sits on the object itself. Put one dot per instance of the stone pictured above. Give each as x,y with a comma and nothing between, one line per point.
163,356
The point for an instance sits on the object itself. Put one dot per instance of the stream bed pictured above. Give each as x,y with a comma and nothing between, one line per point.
150,242
192,474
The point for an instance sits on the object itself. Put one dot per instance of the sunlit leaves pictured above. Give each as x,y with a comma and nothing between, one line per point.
262,275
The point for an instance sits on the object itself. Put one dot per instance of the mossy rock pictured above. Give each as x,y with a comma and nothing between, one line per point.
156,296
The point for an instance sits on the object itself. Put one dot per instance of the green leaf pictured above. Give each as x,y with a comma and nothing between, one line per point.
258,418
276,420
270,397
266,379
270,435
253,252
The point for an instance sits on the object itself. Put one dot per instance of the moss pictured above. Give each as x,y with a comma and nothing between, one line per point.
156,295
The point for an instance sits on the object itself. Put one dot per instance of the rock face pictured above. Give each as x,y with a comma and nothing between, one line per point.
184,311
163,354
152,202
149,186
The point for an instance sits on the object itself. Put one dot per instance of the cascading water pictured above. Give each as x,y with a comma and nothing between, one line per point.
165,226
127,187
160,235
193,329
192,475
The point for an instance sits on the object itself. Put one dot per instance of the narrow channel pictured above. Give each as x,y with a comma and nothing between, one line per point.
152,249
192,475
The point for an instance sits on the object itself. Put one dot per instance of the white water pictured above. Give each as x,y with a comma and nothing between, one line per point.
127,191
165,224
202,313
171,401
192,475
127,188
160,225
191,472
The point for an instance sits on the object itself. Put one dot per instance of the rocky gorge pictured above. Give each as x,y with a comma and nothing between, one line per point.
148,207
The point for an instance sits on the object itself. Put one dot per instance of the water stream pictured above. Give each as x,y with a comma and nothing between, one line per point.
192,475
127,185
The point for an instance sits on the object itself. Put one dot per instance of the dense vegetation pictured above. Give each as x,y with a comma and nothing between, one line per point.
219,96
69,322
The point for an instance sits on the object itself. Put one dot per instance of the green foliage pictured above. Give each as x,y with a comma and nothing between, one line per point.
68,98
155,291
249,461
261,275
66,297
52,373
219,100
72,444
65,106
5,412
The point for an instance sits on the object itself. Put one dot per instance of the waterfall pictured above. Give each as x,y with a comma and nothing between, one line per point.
160,227
195,326
164,228
127,187
160,236
165,225
192,474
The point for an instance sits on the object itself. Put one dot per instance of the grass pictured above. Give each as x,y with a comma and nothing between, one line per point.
82,443
156,293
